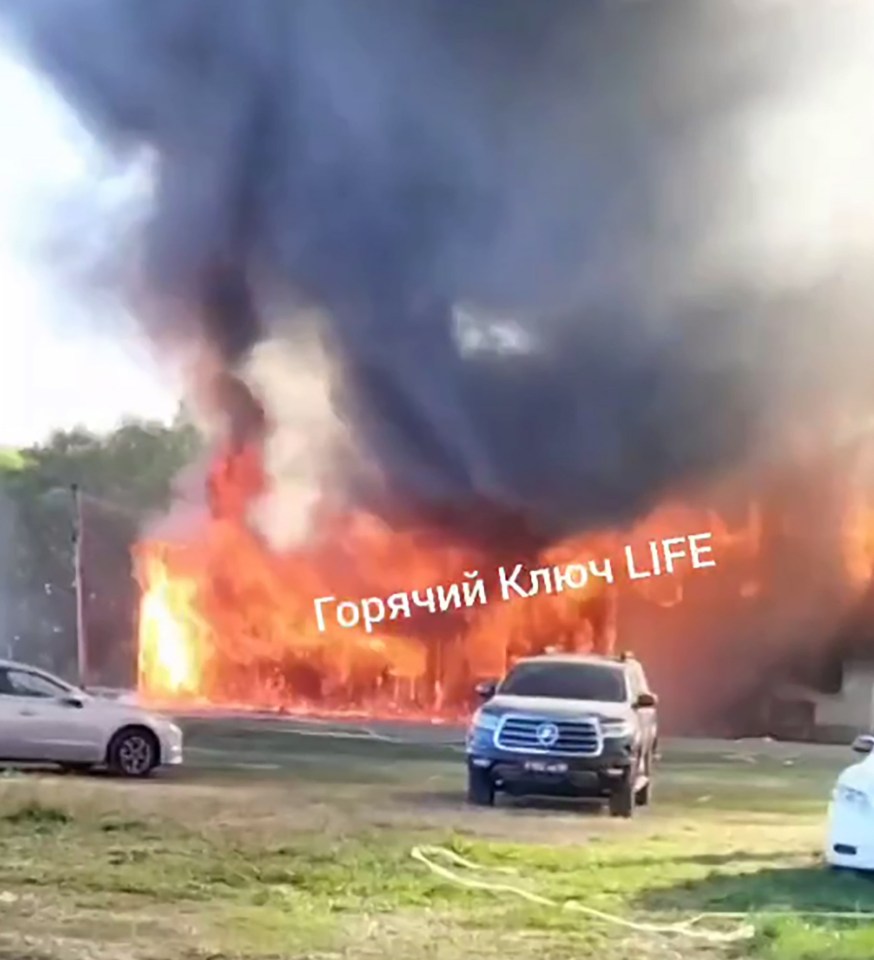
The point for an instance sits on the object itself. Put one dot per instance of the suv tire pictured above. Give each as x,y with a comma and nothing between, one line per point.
644,795
622,798
480,789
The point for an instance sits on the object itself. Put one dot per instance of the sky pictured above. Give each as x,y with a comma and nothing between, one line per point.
59,365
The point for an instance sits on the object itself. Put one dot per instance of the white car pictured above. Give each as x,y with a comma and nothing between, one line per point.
850,842
45,720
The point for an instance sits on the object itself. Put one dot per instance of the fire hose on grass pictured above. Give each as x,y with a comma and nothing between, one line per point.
441,860
691,929
430,857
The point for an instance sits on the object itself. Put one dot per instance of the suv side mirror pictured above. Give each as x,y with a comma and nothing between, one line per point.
864,744
646,700
486,689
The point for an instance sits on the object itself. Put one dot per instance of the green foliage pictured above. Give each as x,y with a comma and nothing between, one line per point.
131,468
11,460
123,476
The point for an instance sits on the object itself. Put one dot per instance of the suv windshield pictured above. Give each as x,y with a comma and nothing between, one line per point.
566,681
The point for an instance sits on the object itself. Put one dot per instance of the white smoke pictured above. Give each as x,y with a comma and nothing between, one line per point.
292,381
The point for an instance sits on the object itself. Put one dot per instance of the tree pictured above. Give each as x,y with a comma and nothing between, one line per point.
124,476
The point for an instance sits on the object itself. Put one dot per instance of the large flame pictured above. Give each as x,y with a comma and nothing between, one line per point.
169,631
226,622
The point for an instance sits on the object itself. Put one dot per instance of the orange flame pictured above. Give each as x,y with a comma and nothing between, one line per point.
169,647
224,621
858,542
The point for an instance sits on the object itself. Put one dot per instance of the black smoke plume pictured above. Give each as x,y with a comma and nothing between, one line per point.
566,255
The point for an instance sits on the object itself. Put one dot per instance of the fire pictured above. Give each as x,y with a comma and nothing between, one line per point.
168,636
226,622
858,542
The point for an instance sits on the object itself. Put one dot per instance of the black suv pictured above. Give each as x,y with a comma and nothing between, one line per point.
566,726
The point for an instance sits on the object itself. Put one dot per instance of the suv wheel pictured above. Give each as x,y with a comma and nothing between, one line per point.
480,789
622,798
644,795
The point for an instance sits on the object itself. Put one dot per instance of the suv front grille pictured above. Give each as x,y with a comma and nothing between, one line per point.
575,738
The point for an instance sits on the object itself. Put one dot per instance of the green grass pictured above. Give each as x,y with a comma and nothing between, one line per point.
312,859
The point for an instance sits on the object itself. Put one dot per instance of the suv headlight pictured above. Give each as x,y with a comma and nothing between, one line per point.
483,721
851,796
615,729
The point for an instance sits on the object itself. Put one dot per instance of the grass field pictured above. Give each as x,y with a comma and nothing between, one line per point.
271,844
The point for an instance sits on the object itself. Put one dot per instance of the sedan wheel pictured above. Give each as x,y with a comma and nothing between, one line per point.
133,753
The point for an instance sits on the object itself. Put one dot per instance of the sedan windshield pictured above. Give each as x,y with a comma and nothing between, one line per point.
566,681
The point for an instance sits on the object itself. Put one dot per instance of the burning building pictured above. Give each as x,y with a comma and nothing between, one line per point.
549,303
228,621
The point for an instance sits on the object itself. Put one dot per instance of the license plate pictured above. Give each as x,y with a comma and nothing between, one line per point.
545,766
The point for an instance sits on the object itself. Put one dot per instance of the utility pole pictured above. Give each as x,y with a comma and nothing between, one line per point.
81,647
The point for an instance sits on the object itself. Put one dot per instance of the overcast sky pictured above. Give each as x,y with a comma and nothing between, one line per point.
57,370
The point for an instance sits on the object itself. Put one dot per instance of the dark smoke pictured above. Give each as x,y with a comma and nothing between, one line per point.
671,200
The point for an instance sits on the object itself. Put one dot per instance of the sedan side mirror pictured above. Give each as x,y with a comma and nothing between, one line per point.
486,689
73,701
864,744
646,700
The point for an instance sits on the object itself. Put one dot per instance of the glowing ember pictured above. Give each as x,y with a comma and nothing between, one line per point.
225,622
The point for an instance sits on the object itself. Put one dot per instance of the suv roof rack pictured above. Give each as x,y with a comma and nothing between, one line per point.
625,656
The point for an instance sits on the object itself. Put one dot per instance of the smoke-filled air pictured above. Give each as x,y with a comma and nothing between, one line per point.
495,274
